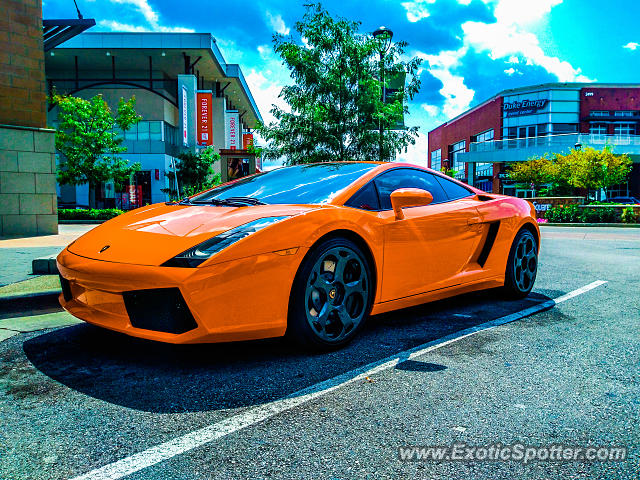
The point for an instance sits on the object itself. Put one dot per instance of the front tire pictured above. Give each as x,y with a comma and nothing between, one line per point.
331,296
522,265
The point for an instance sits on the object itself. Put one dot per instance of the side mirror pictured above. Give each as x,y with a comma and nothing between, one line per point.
409,197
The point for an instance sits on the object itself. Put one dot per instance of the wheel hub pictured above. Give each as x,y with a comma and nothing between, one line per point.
336,293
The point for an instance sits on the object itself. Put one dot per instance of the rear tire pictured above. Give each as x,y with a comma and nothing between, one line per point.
522,265
331,296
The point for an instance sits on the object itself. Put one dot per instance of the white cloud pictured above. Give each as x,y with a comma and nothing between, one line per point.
416,154
417,9
518,12
277,23
510,71
432,110
151,17
125,27
631,45
510,37
457,95
143,7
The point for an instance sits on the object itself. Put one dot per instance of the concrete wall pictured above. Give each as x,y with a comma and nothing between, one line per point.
28,203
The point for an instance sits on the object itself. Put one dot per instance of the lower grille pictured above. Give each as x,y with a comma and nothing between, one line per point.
66,289
160,310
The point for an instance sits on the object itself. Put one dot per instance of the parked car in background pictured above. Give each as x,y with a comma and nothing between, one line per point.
624,200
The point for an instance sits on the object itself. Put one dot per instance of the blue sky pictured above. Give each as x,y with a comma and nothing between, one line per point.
472,49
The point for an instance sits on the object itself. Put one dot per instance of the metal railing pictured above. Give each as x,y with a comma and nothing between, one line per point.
554,142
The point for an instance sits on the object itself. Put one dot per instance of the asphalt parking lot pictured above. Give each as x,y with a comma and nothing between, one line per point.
77,399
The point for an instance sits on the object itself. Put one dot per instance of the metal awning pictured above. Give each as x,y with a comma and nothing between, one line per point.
55,32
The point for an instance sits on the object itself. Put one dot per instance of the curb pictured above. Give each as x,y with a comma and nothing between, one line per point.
25,296
616,225
45,265
80,222
29,302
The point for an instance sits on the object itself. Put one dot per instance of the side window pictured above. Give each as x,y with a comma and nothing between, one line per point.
365,199
452,189
407,178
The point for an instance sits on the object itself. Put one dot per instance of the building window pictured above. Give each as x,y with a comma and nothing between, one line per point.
624,113
436,159
145,131
454,152
599,113
170,134
486,136
562,128
598,129
624,129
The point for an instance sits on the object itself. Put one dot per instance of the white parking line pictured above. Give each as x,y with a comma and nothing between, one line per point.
252,416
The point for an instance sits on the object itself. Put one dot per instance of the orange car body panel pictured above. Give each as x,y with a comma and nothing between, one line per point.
242,292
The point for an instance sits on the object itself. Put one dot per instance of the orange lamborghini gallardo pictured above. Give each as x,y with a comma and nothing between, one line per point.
309,251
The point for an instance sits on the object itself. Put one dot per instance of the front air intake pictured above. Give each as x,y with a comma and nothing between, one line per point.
66,289
159,309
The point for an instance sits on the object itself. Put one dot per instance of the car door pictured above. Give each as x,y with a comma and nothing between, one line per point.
431,247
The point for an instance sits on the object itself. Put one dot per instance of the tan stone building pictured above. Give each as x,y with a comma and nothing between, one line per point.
27,161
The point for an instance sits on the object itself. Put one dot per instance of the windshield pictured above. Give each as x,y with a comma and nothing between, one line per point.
300,184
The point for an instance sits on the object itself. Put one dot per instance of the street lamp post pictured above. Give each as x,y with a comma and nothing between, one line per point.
384,36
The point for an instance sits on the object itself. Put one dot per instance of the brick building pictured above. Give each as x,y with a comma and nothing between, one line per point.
517,124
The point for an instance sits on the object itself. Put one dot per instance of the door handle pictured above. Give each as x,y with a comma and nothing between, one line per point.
474,221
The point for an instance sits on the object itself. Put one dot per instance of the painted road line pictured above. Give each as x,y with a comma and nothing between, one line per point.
252,416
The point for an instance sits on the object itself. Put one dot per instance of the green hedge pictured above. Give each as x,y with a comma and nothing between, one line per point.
574,214
92,214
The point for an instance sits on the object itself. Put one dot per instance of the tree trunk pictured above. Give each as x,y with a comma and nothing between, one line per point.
92,195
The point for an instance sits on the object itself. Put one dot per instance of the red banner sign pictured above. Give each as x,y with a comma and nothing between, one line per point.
247,140
203,107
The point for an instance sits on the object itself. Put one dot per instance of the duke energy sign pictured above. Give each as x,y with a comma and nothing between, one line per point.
525,107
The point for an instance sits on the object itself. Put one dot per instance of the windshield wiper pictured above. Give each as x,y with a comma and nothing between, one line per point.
247,200
232,201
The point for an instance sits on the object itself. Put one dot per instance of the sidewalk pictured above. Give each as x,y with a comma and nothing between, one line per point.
16,254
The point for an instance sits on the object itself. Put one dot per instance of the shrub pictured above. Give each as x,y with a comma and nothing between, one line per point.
599,215
563,214
628,216
91,214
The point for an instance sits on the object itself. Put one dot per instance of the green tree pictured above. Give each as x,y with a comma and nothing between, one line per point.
536,171
89,141
335,101
596,169
195,172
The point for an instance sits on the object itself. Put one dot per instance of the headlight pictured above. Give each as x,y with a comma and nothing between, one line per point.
201,252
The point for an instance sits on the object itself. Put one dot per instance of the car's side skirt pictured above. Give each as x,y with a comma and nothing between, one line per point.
440,294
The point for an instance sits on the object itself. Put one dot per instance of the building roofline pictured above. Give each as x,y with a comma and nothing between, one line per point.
162,40
540,86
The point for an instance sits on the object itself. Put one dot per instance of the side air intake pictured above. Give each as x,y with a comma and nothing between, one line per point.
488,243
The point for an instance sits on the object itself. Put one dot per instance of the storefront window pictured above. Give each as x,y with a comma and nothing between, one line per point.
599,113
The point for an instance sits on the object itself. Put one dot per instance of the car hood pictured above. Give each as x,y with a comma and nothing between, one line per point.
154,234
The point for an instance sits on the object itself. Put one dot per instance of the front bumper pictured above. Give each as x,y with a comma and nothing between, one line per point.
244,299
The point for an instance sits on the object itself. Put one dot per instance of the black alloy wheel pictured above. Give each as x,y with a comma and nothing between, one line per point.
331,296
522,265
